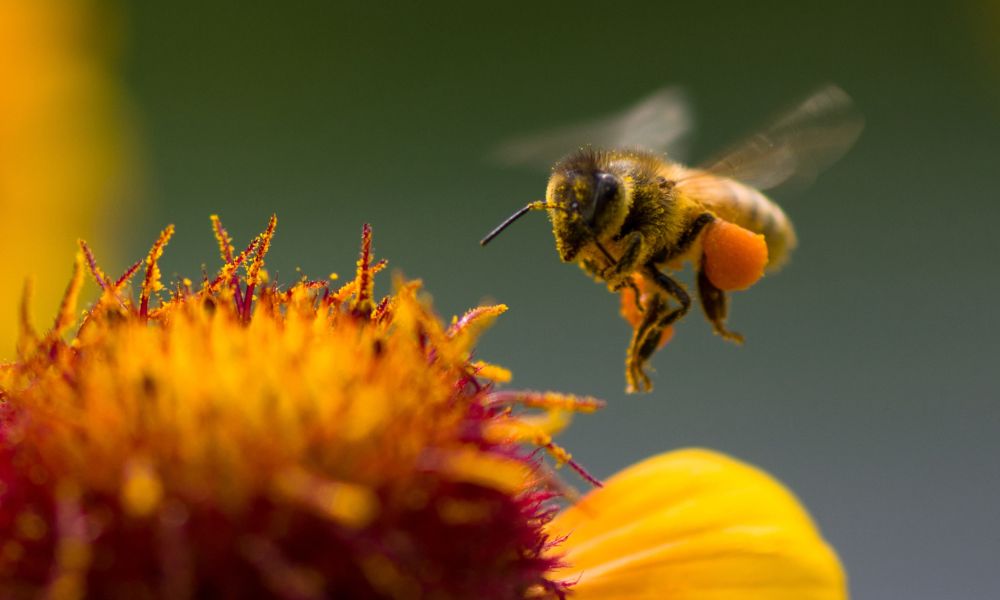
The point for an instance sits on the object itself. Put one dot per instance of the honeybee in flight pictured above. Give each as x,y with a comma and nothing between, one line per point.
624,211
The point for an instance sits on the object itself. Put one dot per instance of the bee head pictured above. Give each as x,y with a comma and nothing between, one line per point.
585,204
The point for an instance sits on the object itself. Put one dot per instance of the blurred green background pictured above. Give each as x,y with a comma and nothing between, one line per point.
869,380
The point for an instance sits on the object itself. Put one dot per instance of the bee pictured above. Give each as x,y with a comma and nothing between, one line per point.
630,215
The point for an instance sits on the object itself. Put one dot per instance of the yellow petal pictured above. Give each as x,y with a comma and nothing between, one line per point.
64,144
695,525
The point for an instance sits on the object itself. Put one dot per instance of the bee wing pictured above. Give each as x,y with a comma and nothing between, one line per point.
796,147
658,122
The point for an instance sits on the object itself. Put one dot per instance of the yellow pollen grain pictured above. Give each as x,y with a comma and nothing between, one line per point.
11,552
534,429
387,579
492,372
463,512
560,454
66,587
73,554
505,475
548,423
30,526
349,504
142,490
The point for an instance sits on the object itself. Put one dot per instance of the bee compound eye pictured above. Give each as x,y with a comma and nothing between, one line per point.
607,186
605,191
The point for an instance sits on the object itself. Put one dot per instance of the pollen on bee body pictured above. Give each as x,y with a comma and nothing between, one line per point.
734,257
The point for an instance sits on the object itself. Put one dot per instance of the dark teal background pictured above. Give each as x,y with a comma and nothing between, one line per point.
869,380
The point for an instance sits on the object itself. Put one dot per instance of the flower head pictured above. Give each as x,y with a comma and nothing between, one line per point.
240,438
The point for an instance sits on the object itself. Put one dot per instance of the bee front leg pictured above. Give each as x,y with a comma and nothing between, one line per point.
617,275
716,306
594,269
597,272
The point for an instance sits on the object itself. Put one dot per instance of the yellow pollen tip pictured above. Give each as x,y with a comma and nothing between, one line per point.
142,490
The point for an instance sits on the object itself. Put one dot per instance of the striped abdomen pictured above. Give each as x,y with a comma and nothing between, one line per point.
744,206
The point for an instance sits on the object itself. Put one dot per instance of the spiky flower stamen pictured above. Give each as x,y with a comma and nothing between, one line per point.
247,439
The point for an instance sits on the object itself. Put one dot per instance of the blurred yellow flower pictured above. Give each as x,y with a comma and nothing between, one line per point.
61,136
237,439
695,525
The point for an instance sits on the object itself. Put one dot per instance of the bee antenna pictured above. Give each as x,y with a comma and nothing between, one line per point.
537,205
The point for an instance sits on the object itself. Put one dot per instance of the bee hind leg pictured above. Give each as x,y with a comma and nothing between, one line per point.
715,304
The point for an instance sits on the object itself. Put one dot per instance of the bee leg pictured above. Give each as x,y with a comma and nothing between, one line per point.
673,290
597,272
636,295
591,268
716,306
656,318
617,274
645,340
691,233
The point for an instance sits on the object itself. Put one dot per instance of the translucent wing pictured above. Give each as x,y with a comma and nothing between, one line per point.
796,147
658,122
